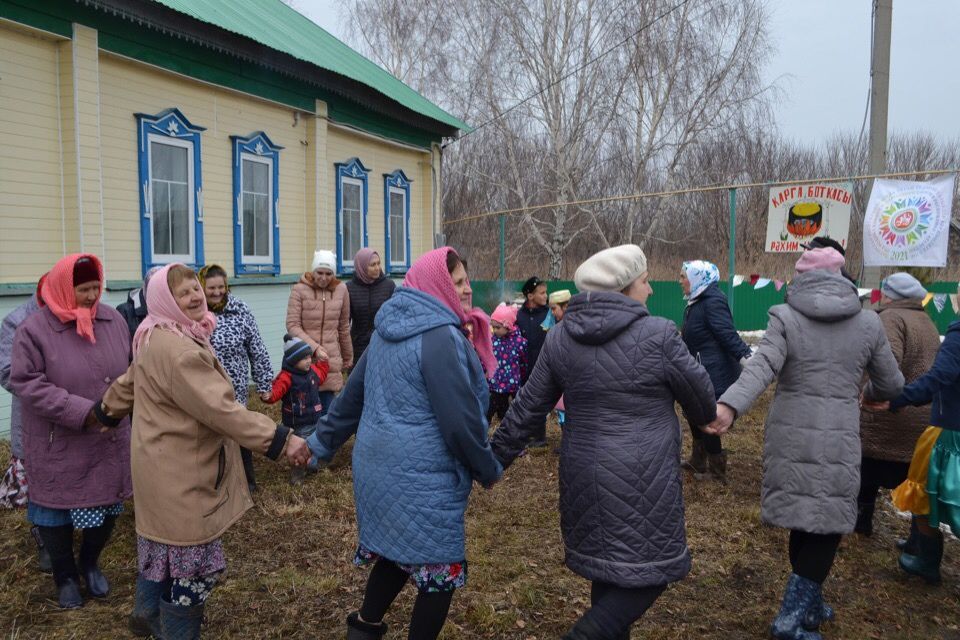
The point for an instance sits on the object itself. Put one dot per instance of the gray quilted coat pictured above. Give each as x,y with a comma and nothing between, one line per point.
621,501
817,346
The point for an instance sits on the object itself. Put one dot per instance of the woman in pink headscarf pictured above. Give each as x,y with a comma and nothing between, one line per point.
187,476
416,402
369,289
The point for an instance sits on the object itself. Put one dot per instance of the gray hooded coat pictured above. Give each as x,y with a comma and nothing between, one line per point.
818,346
8,330
621,500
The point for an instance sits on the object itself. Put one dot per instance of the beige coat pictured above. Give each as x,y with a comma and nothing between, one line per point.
914,340
321,317
188,481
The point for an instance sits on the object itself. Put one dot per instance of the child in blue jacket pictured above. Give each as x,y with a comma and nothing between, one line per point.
298,385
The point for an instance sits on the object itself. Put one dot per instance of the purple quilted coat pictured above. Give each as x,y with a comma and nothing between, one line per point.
620,371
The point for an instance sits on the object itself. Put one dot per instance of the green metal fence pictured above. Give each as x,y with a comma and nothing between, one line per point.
750,305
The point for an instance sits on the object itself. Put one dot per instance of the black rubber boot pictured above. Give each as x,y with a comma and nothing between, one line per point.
909,544
59,544
43,556
144,621
925,563
357,629
180,623
94,541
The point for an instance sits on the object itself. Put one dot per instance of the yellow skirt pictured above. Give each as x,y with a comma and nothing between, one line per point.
911,495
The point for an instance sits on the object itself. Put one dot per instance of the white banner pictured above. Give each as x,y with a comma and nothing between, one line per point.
799,213
908,223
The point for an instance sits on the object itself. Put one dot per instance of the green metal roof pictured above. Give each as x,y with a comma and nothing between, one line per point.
276,25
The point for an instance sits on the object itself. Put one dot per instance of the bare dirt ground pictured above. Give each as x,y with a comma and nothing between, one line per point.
290,574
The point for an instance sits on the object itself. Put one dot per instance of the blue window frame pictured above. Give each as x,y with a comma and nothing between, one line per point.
396,205
351,211
171,189
256,218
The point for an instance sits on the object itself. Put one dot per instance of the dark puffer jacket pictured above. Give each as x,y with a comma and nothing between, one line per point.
712,338
621,500
529,322
940,385
365,301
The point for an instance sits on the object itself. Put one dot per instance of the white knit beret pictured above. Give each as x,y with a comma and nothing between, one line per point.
612,269
324,259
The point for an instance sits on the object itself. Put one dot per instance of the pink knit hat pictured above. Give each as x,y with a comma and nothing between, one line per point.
826,259
505,314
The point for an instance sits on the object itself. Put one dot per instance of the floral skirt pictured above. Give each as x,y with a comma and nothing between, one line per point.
159,562
911,495
429,578
13,487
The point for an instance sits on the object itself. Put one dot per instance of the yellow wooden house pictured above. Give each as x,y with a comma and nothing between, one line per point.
204,131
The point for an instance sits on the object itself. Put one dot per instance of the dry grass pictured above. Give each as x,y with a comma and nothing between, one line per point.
291,577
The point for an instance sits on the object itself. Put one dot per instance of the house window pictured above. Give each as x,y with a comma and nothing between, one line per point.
171,194
396,200
256,222
351,212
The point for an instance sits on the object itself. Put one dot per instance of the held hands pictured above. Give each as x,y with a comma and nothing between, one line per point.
725,418
875,405
320,355
266,396
298,453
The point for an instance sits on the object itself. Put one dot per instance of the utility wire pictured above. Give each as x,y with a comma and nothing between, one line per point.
586,64
701,189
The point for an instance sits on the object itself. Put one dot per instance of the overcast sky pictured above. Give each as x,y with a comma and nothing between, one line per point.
822,63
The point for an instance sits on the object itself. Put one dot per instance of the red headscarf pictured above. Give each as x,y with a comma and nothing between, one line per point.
429,274
57,292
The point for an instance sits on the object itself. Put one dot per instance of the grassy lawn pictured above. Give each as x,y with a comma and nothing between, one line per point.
290,574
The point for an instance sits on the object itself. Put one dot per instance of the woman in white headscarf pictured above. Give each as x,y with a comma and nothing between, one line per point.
711,336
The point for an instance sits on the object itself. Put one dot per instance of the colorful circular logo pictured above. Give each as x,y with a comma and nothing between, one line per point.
905,221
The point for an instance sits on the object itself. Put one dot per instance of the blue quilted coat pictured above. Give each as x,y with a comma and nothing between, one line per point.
417,401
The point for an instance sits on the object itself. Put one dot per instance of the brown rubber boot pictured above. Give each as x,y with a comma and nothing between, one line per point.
717,465
697,462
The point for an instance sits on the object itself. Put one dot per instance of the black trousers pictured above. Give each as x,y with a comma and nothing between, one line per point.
710,441
875,473
384,584
614,609
812,554
499,403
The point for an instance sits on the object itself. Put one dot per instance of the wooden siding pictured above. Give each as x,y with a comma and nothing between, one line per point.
31,229
381,158
129,88
69,115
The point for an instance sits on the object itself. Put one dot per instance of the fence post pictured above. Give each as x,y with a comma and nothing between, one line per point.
733,246
503,259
